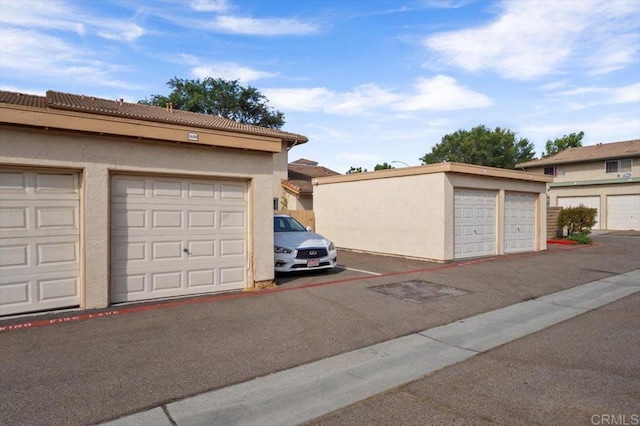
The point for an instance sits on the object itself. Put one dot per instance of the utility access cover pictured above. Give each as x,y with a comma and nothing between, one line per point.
417,291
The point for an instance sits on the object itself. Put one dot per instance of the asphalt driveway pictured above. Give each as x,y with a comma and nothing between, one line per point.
96,369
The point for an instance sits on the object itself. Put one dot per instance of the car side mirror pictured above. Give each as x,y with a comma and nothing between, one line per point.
309,229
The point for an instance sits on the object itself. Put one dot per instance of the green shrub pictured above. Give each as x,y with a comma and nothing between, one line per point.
577,220
580,238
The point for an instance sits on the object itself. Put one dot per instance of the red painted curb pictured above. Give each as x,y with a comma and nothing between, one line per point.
149,306
563,242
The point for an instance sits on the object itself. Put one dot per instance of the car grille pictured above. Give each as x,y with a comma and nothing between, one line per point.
302,265
311,253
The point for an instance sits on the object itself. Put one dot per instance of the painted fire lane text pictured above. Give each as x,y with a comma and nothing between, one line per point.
52,321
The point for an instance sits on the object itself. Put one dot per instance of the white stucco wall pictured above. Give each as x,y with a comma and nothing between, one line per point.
96,158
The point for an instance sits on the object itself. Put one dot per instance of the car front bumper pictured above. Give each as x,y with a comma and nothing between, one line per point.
285,262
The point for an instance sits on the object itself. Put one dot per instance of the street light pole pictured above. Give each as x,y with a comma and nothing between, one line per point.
401,162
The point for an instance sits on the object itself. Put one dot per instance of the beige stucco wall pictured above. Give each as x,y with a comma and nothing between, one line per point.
410,215
280,171
295,201
397,215
96,158
590,171
601,191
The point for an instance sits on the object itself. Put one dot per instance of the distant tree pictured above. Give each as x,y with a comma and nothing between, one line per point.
482,146
572,140
356,170
383,166
216,96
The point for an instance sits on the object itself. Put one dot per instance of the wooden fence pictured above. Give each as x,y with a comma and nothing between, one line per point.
305,217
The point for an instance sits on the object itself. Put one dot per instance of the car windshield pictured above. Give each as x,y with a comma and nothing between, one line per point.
287,224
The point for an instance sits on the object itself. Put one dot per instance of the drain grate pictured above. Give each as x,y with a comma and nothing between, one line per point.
417,291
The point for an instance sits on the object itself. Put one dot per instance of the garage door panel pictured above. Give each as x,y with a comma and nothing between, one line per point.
39,241
199,190
232,248
201,278
201,220
29,293
623,212
184,234
519,226
233,191
474,223
167,219
232,276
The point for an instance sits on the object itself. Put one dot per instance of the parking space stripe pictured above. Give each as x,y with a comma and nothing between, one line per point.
26,323
361,271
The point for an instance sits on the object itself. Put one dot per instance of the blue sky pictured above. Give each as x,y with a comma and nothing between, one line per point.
366,81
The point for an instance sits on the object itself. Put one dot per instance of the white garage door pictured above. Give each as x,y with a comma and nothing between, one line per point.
623,212
39,241
174,236
591,202
474,223
519,222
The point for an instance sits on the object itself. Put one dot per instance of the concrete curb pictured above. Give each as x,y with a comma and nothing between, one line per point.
303,393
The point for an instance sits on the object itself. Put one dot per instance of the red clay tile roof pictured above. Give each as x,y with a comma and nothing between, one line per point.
297,171
305,162
22,99
93,105
301,172
601,151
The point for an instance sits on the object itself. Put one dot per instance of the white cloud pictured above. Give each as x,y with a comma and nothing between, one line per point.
610,128
531,39
230,71
604,95
442,93
363,98
36,55
54,15
119,31
300,99
266,27
64,16
627,94
553,86
209,5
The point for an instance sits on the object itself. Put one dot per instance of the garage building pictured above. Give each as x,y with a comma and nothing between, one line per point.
438,212
104,202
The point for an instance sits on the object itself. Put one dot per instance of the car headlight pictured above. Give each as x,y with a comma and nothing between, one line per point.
331,246
277,249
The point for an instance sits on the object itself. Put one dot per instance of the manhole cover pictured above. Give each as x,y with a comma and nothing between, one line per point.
417,291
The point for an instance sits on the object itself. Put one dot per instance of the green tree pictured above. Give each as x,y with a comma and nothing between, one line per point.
216,96
572,140
356,170
482,146
383,166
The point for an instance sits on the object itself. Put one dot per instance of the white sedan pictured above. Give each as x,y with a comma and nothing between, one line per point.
298,249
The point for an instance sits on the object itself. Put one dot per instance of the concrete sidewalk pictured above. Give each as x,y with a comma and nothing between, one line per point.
112,366
309,391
